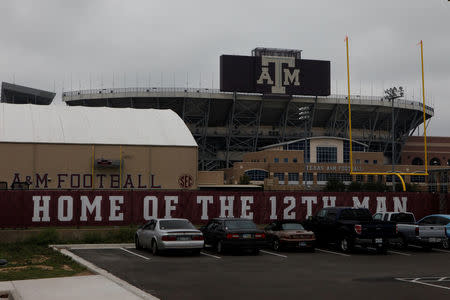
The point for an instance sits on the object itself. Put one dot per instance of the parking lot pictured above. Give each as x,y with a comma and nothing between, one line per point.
325,274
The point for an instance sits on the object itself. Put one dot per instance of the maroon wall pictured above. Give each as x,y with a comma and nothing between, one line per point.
65,208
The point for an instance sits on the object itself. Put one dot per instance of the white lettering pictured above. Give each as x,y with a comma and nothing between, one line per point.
245,207
86,205
226,210
204,200
400,206
38,209
154,214
309,200
364,204
273,207
169,207
114,208
329,201
288,214
278,88
68,202
291,77
265,76
381,204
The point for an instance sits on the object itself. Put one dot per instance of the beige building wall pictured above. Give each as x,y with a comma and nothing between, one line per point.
314,143
64,166
210,177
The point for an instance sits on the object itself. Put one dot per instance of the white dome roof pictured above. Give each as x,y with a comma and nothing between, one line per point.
28,123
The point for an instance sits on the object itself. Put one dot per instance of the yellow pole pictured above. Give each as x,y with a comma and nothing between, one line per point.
120,171
424,117
92,166
402,181
349,109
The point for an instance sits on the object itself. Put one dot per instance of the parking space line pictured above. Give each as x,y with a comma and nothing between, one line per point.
271,253
332,252
416,280
141,256
399,253
217,257
441,250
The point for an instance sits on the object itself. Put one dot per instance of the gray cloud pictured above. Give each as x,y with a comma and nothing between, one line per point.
73,44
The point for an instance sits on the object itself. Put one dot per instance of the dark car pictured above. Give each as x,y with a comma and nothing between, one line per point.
233,234
289,234
348,227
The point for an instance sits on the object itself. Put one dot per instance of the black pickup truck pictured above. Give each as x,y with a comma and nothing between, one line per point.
348,227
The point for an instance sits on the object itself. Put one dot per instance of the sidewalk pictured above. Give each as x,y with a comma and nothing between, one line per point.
77,287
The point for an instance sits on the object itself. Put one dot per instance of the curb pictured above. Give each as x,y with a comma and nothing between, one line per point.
64,249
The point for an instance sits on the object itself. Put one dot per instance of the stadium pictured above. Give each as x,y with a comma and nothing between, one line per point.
236,119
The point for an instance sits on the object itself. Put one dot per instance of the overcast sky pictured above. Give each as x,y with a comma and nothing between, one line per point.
56,45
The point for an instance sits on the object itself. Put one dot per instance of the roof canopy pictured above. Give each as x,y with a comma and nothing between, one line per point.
27,123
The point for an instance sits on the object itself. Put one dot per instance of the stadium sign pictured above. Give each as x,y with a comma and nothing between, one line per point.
274,75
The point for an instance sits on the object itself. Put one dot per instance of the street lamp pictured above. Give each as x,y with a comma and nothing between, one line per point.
391,94
303,115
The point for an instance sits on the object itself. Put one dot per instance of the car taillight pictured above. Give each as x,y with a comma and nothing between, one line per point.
232,236
169,238
358,228
197,237
417,230
260,236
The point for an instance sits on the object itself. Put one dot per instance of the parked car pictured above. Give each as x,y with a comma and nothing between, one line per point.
424,235
169,234
443,220
289,234
348,227
233,233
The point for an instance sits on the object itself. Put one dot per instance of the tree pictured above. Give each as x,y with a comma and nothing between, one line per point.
334,185
244,179
355,186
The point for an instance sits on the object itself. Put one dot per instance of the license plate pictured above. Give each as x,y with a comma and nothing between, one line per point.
183,238
433,240
246,236
302,244
379,241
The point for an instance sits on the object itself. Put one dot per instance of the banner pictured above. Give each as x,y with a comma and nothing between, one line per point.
20,209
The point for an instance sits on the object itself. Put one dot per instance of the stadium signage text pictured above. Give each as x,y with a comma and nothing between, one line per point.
76,181
92,207
274,75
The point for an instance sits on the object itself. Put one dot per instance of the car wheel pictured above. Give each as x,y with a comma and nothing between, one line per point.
137,244
276,245
155,250
446,243
345,245
220,247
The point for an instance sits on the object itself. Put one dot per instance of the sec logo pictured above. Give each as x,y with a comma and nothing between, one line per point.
185,181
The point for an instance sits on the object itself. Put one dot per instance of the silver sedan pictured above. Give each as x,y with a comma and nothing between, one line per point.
164,234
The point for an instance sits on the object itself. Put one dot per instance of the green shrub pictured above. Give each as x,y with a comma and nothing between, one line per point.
334,185
44,237
244,179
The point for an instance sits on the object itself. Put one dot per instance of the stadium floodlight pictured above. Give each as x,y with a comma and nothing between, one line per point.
396,93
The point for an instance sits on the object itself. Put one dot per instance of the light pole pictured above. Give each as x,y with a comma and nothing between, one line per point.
303,115
391,94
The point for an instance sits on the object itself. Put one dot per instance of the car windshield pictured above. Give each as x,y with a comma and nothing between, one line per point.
356,214
175,224
292,226
240,224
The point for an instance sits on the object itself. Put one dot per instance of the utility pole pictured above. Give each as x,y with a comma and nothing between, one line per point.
391,94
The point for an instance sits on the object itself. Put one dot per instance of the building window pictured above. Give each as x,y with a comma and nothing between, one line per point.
356,148
359,178
380,179
326,154
333,176
375,161
358,161
276,159
417,178
300,145
369,178
308,177
366,161
417,161
280,177
294,159
257,175
286,160
293,178
265,160
435,161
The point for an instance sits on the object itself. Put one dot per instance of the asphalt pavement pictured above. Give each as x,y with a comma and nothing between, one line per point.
325,274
